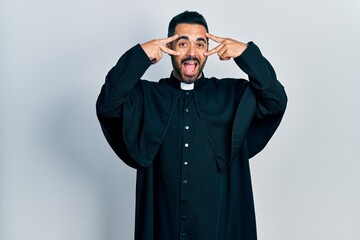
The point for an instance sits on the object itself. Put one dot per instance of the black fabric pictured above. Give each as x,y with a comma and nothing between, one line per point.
203,136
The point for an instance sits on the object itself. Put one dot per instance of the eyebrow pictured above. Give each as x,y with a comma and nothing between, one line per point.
187,38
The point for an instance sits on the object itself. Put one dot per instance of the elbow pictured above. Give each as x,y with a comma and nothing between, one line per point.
105,110
282,101
279,104
273,103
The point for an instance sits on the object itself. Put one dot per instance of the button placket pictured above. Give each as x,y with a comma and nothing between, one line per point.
185,178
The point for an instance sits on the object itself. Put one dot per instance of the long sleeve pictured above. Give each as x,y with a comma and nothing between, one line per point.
271,99
270,94
120,87
120,80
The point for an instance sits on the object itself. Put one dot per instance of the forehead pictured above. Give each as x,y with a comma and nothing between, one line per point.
190,30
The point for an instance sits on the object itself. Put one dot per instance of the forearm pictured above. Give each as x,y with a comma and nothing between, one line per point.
120,80
270,93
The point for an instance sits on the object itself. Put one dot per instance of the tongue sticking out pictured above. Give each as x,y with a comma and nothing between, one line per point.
189,69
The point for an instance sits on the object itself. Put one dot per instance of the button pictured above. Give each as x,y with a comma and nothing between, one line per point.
183,217
187,93
187,127
187,110
186,145
183,234
184,200
186,163
185,182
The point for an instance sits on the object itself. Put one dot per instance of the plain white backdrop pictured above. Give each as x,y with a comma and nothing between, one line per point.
59,179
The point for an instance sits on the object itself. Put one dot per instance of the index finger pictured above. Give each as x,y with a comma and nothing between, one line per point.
169,39
169,51
215,38
212,51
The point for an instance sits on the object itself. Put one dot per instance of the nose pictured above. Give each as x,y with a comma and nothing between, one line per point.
191,50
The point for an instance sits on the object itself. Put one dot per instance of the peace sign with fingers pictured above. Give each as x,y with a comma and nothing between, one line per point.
154,49
228,48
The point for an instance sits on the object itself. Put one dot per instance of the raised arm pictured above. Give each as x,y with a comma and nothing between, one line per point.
271,97
127,72
121,87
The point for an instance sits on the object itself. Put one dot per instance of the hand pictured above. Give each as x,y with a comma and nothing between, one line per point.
155,48
227,48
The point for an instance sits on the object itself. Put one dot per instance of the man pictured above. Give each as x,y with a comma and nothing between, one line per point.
190,137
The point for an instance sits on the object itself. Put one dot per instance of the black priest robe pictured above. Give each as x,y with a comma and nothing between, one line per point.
191,148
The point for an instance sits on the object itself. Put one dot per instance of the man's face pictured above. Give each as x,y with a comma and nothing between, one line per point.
192,43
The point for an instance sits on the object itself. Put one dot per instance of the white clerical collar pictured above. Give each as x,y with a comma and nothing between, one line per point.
186,86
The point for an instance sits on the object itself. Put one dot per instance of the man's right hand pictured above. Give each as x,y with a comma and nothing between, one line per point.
155,48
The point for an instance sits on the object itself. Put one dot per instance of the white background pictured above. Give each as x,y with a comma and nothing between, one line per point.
59,179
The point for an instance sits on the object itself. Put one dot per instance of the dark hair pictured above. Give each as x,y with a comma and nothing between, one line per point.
186,17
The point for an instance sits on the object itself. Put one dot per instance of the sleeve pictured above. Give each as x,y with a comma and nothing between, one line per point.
271,99
121,86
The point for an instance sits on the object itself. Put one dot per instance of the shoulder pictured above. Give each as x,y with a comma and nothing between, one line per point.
153,85
160,89
227,83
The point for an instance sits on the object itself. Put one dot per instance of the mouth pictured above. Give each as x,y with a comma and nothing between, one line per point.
190,67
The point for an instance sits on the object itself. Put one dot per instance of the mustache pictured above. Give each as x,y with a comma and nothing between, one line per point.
190,58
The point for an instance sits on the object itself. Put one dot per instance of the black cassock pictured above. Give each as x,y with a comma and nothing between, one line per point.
191,148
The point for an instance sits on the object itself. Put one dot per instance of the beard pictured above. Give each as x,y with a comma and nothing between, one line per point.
180,72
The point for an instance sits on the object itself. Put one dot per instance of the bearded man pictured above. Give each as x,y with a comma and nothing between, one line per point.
188,136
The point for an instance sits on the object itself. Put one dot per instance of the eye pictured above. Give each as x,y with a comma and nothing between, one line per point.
200,45
183,44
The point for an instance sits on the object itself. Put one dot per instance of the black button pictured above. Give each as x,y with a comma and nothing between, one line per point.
185,182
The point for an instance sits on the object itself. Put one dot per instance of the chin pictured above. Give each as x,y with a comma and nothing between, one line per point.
188,79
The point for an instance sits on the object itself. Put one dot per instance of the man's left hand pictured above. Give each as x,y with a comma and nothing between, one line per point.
228,48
